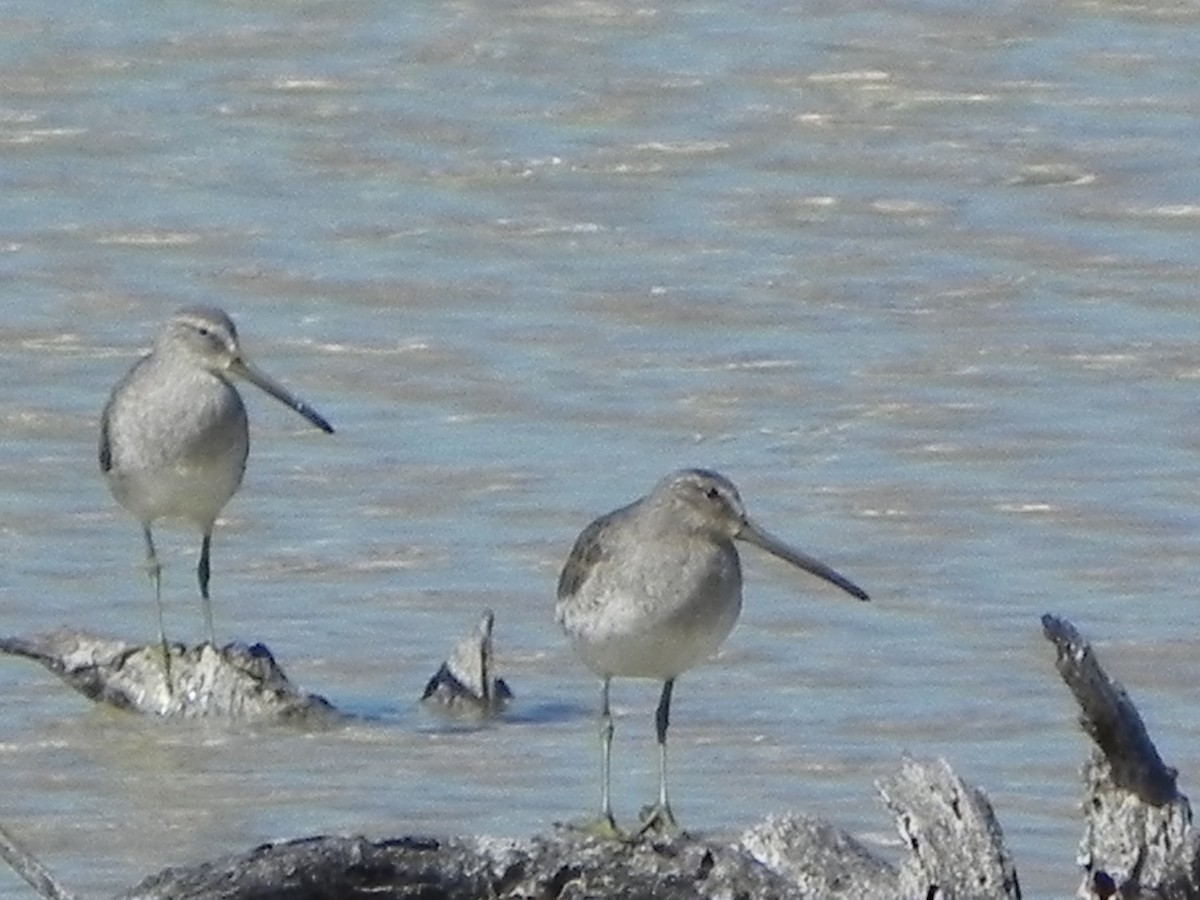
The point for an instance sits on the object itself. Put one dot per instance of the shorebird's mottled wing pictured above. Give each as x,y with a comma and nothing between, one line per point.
105,446
106,450
106,437
592,547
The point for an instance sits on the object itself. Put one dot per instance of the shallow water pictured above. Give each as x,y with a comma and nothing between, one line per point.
919,278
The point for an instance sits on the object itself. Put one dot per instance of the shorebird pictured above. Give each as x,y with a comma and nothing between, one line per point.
652,589
174,435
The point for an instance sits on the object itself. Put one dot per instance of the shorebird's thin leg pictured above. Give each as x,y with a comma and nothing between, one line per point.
154,568
202,572
606,739
660,818
604,825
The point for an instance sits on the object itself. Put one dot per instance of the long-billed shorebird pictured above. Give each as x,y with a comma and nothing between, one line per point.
174,436
652,589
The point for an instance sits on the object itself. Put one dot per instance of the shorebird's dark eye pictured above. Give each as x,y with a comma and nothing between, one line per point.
712,494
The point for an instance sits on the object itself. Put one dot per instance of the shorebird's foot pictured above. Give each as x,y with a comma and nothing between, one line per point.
603,827
658,819
168,682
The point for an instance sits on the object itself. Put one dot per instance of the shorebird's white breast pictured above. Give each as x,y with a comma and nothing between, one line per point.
178,443
655,609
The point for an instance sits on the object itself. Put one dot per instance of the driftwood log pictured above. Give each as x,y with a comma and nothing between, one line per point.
1138,841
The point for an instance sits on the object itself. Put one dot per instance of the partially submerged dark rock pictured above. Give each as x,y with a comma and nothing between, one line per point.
465,683
236,681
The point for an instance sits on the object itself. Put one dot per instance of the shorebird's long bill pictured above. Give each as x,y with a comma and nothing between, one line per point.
260,379
752,534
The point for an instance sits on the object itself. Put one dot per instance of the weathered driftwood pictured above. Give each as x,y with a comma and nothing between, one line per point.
785,857
821,860
950,828
1138,839
235,681
465,683
564,865
30,869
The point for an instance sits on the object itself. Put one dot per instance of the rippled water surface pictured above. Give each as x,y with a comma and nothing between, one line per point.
920,277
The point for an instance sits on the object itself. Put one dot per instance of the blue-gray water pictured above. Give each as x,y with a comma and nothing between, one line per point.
920,277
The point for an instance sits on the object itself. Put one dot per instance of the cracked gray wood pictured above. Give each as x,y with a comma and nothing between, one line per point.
235,681
784,858
1138,839
957,846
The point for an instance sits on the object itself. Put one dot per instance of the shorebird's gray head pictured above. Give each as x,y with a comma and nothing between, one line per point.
207,337
204,334
708,502
704,501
